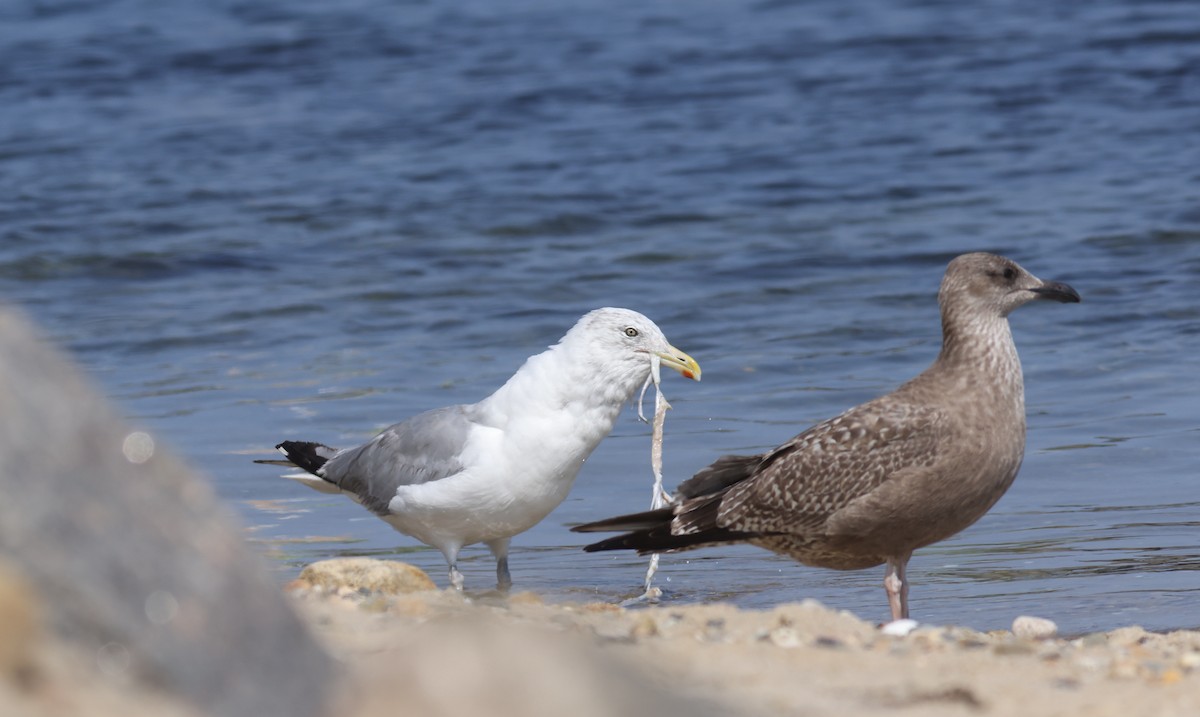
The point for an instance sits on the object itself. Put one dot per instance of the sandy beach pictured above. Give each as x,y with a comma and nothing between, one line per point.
435,652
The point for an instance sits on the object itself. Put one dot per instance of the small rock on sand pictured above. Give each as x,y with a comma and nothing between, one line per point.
390,577
899,628
1034,628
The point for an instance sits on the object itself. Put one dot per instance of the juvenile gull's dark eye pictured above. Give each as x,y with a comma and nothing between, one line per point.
1010,273
631,332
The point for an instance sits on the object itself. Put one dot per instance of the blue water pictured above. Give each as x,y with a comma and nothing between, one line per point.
252,221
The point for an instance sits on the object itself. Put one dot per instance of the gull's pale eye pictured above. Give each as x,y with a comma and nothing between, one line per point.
631,332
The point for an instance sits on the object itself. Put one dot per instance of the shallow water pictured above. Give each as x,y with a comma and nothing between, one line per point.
256,221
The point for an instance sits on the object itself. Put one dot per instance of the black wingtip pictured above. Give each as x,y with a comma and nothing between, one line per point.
306,454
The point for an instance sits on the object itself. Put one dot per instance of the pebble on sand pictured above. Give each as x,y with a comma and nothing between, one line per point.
1034,628
899,628
389,577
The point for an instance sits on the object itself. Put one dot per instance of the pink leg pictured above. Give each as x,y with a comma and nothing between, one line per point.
895,582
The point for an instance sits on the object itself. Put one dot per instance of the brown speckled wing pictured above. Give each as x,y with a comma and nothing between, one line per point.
820,471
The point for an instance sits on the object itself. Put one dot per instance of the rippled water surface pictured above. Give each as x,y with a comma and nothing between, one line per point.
261,220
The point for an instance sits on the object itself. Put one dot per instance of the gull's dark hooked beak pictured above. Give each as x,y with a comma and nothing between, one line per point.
1056,291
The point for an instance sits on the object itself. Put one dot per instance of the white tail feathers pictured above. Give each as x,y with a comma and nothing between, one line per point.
318,484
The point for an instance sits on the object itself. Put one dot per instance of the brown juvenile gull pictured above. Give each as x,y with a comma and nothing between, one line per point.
481,473
882,479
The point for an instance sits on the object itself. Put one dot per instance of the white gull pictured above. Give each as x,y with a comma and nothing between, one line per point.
484,472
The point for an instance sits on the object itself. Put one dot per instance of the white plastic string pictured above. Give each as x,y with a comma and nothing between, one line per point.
658,496
653,377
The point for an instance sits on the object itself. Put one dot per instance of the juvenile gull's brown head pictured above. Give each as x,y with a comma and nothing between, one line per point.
983,284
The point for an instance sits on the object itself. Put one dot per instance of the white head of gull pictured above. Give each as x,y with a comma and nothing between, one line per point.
484,472
889,476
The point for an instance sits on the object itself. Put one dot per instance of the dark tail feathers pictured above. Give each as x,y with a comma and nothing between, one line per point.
647,520
650,532
660,540
693,524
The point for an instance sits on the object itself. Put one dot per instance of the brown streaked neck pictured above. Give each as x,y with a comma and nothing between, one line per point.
974,340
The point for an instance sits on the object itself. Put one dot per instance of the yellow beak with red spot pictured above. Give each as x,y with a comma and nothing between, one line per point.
681,362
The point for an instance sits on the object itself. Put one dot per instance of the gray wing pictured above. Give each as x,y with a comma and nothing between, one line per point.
422,449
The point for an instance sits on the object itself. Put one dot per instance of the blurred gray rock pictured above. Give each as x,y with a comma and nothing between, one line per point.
130,554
